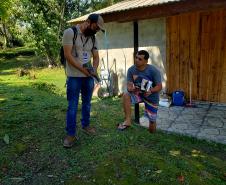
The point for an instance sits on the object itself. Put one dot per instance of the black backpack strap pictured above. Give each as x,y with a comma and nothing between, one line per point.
75,34
93,40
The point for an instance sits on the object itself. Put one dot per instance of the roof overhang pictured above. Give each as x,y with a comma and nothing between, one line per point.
159,10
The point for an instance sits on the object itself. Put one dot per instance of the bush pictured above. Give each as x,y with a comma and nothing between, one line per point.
51,88
17,42
40,62
14,52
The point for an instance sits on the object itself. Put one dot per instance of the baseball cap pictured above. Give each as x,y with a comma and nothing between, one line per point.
96,18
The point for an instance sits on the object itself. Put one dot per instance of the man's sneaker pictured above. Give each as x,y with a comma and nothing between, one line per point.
69,141
90,130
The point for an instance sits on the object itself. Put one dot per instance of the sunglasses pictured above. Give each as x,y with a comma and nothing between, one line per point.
98,28
139,58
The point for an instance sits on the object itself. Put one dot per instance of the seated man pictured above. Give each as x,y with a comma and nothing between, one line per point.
143,85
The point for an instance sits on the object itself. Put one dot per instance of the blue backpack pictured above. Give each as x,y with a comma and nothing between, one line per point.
178,98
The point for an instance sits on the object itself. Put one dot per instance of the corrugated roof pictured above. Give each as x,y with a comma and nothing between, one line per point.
126,5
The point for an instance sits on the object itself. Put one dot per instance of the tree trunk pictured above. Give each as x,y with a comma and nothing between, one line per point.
61,18
51,61
6,35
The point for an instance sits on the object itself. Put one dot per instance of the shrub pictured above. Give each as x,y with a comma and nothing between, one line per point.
11,53
45,87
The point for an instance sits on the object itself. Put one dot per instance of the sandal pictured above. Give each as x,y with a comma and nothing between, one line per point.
122,126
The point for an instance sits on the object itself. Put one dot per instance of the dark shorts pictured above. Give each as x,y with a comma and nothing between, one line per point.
151,109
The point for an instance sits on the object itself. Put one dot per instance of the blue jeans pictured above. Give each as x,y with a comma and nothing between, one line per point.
75,85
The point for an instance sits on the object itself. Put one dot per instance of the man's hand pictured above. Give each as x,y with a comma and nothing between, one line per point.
155,89
86,72
130,87
93,72
148,93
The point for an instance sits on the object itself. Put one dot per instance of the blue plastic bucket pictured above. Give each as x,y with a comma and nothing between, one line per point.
178,98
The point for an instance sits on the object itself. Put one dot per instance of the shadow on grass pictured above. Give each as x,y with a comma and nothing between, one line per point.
34,119
23,62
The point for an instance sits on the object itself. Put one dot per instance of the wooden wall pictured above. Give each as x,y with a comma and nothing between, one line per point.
196,53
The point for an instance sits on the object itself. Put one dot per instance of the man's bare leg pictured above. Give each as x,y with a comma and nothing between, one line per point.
127,108
152,127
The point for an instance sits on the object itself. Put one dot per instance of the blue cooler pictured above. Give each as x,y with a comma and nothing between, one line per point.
178,98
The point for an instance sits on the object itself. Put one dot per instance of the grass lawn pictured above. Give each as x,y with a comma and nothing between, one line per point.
32,121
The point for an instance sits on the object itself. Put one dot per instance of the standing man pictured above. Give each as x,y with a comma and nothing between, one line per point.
143,85
79,47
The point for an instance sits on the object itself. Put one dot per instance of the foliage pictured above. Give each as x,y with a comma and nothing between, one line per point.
97,4
8,14
6,8
40,23
43,22
32,114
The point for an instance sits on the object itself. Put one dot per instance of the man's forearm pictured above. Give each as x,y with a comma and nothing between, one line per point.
74,63
157,88
95,63
130,86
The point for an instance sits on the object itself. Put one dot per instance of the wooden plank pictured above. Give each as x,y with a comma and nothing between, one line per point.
221,52
204,62
173,62
223,58
194,55
204,72
198,65
211,56
168,40
184,37
216,38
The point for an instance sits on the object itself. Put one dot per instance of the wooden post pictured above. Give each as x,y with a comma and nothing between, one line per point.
136,43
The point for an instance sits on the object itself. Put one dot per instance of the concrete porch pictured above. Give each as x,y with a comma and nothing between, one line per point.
205,121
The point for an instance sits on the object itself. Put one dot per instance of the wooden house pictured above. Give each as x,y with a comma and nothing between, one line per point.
186,40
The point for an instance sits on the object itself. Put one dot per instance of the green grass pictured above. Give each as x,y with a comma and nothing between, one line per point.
32,114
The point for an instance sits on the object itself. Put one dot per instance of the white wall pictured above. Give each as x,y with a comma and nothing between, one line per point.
152,37
120,49
120,46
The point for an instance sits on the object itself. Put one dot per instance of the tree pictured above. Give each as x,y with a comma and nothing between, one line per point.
46,20
99,4
43,21
43,18
6,10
